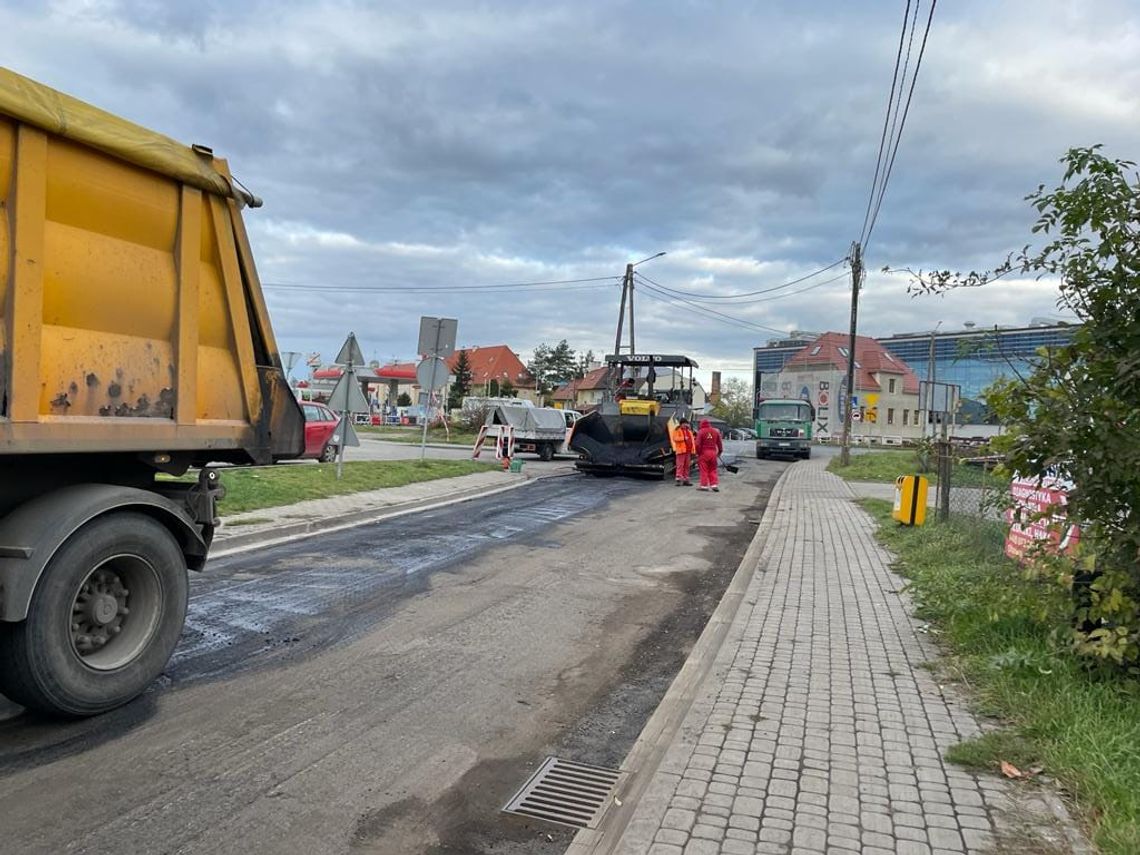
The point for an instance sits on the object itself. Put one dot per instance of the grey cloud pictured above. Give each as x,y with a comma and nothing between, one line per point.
537,140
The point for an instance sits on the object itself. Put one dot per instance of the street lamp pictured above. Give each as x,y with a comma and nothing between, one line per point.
627,288
658,255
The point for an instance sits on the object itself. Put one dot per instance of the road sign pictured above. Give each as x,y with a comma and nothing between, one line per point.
349,352
437,336
937,397
347,433
347,397
855,416
432,373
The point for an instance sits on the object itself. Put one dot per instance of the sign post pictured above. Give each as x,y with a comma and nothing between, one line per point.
437,340
347,397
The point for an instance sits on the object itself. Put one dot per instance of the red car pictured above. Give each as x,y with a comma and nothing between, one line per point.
322,442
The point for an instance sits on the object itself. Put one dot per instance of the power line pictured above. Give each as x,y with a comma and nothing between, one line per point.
795,293
699,296
886,120
698,311
422,288
906,110
651,288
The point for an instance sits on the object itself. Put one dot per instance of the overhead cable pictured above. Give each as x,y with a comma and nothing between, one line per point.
751,302
866,237
879,160
651,289
504,286
699,296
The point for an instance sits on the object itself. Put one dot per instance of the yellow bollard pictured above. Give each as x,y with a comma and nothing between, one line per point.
910,500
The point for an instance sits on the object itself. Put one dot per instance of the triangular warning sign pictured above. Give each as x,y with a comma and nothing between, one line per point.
347,397
348,437
350,352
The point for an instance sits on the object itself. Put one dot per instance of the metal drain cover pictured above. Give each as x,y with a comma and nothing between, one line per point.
566,793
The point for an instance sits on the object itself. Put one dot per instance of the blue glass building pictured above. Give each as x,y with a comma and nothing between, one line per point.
975,358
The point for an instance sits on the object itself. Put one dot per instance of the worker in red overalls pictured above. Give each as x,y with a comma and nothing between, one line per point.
709,449
684,446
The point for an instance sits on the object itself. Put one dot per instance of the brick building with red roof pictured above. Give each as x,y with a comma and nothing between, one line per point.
496,363
886,390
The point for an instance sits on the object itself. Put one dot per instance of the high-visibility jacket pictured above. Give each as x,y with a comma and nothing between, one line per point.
708,440
684,440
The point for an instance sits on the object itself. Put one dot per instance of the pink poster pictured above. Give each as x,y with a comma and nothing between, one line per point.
1034,498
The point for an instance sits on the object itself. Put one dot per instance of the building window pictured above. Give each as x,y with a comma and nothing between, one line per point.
891,386
906,417
890,415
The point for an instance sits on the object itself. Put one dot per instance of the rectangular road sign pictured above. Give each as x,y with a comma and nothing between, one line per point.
937,397
437,336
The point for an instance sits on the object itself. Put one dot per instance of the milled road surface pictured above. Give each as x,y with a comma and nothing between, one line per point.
386,688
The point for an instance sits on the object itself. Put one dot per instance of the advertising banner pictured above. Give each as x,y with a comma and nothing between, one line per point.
1049,496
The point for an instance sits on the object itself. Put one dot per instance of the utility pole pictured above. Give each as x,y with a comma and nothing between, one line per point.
856,278
629,279
626,286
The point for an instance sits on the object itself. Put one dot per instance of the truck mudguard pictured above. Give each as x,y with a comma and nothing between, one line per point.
32,534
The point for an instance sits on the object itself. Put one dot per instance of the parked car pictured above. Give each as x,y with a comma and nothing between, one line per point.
741,433
322,442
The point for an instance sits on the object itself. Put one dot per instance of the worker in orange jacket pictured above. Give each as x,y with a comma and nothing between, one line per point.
684,446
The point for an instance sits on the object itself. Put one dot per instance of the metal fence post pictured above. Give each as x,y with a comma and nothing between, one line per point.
945,473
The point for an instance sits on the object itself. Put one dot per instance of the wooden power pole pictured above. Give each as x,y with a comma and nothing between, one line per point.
626,288
856,280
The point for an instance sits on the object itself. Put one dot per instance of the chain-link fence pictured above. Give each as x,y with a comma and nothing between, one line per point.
966,483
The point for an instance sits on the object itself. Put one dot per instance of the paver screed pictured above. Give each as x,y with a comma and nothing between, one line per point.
821,731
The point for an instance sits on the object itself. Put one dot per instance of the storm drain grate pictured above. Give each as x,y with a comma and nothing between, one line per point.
566,793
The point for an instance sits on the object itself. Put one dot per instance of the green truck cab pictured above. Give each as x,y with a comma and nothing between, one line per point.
783,426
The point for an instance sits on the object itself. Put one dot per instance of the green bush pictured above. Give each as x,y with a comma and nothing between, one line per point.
1077,414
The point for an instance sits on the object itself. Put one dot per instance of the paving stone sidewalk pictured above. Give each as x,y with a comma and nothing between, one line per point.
819,730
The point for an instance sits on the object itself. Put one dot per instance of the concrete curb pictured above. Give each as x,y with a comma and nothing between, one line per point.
648,752
243,542
416,444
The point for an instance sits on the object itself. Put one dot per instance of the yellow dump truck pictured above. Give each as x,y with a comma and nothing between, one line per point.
134,345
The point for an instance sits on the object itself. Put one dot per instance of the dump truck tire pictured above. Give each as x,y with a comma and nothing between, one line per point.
104,619
546,451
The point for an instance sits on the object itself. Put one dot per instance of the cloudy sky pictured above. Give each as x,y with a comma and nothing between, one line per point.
405,148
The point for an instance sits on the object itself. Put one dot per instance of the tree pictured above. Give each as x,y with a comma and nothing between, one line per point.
507,389
462,385
1077,413
404,400
735,405
552,366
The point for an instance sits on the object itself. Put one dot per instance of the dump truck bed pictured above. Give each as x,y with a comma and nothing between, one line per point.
131,316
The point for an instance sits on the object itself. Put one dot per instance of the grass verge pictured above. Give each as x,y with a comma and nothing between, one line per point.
885,466
1001,630
250,489
415,435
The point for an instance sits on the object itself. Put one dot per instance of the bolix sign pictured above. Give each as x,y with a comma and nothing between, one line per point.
1043,520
